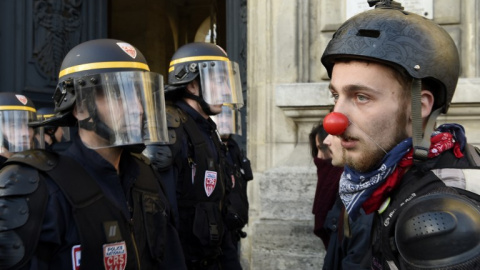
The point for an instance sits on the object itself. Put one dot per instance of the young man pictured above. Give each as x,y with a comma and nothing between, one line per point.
95,206
201,80
392,72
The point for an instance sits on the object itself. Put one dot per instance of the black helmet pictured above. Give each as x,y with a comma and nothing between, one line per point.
114,72
44,113
15,102
94,57
16,112
390,35
219,77
186,60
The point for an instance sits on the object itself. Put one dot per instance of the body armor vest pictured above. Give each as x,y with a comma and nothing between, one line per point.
143,235
200,190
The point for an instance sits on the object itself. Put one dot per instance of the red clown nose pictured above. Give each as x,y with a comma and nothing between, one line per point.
335,123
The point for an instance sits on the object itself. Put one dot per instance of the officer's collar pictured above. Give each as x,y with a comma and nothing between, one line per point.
197,117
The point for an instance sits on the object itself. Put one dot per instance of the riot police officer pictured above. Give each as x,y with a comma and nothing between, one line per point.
16,112
201,80
97,205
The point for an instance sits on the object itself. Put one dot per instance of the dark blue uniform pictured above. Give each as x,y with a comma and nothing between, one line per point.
59,234
239,173
200,193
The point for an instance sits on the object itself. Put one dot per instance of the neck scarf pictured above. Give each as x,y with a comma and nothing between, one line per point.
368,190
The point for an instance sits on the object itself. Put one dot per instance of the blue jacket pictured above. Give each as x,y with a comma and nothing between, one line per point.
346,253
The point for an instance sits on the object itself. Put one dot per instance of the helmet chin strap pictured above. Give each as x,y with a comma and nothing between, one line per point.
97,125
203,104
421,138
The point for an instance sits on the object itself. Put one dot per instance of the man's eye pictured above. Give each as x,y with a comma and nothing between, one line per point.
362,98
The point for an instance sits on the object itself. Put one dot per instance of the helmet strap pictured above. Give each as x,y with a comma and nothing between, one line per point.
97,125
203,104
421,138
6,144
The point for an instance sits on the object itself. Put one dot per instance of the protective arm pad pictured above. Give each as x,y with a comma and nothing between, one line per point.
440,230
160,156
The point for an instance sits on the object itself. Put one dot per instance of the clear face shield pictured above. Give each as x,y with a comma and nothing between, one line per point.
220,82
228,121
16,135
121,108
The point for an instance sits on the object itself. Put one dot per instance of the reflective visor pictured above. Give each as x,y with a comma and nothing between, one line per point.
16,135
220,81
121,108
228,121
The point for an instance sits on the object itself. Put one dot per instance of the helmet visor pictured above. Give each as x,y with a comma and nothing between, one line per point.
228,121
16,135
220,81
122,108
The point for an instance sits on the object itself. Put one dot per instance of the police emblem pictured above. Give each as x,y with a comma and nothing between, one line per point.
115,256
22,99
210,182
129,49
76,256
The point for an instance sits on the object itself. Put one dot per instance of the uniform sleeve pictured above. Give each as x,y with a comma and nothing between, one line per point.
229,258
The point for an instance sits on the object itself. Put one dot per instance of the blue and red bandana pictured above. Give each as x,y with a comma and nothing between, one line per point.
369,190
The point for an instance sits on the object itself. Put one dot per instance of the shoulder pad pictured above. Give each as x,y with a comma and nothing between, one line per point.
18,180
14,212
39,159
160,156
175,116
12,249
141,157
440,230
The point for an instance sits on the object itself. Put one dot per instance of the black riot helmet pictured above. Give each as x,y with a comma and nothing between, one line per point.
94,57
408,42
16,112
116,73
219,78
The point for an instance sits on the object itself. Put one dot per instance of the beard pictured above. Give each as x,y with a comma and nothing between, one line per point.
372,156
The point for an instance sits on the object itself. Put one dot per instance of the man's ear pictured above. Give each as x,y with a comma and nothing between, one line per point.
427,100
193,88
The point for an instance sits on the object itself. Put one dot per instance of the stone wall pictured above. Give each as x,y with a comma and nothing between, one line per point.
287,95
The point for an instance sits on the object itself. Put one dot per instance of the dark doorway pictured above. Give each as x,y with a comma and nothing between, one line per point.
158,28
